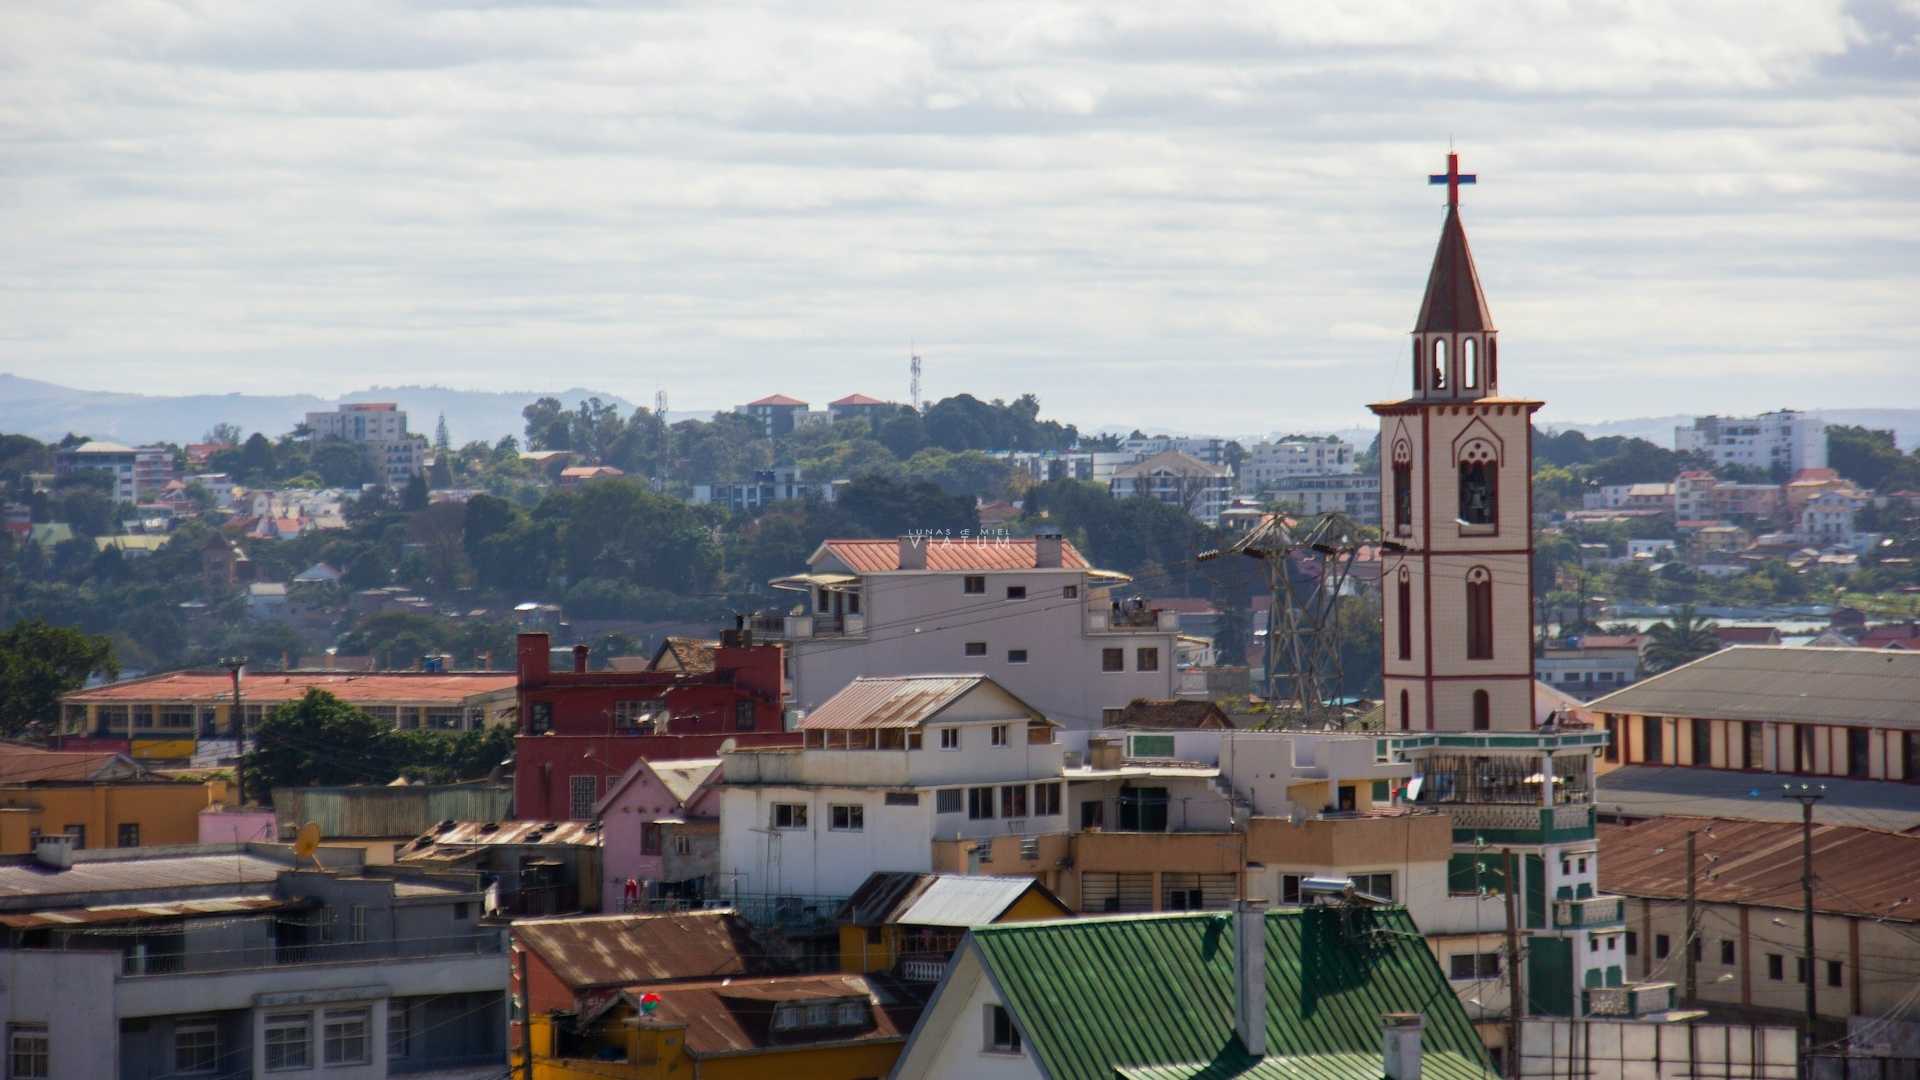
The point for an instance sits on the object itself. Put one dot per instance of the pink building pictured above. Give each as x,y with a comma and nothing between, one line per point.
660,824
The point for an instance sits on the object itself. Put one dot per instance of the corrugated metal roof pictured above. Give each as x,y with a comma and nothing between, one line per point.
737,1015
453,840
391,811
29,880
32,765
1651,791
911,899
272,688
1755,682
945,553
1442,1066
621,950
1095,995
1858,871
177,909
900,701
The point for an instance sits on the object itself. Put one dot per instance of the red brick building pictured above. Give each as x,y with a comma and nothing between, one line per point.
580,730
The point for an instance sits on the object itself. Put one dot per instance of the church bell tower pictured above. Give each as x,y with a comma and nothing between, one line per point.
1456,476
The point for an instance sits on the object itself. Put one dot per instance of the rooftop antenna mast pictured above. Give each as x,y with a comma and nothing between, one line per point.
913,384
666,440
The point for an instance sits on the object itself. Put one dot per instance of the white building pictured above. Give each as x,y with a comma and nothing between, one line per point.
138,472
1269,462
1030,612
778,484
1356,495
1211,449
1178,479
1827,519
888,765
1789,439
380,430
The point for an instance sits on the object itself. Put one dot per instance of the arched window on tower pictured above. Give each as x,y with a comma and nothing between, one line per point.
1493,363
1482,711
1440,364
1479,614
1404,613
1402,496
1419,368
1406,717
1478,491
1469,373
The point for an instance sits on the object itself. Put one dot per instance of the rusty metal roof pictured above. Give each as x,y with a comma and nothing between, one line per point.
957,900
902,701
1864,872
622,950
27,881
1170,715
736,1015
32,765
273,688
454,839
947,553
1798,685
175,909
684,654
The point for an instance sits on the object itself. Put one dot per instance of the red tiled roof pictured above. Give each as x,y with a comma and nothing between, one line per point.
272,688
777,399
945,553
1611,641
1747,635
620,950
32,765
857,399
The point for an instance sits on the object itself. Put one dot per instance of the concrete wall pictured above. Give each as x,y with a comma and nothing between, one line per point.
72,993
165,813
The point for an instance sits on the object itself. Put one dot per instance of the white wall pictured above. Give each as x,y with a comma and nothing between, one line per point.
950,1042
72,993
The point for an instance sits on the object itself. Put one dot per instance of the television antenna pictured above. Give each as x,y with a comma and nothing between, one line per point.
913,367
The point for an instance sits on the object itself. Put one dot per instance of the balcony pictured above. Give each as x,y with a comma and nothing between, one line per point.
1127,621
1523,823
1584,914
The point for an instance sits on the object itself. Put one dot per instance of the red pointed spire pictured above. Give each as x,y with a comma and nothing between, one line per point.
1453,301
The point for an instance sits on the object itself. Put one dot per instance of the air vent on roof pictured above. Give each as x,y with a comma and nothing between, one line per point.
491,826
445,826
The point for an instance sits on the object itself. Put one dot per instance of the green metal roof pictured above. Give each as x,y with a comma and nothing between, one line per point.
1316,1067
1096,996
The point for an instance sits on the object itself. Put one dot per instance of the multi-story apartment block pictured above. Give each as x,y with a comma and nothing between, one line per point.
1787,439
139,473
1353,494
780,413
1211,449
228,963
1269,462
1660,498
1178,479
1030,612
379,429
1595,664
859,406
778,484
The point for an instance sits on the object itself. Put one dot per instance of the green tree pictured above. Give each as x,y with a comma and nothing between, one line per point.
39,662
414,496
396,639
619,530
887,507
340,463
1683,639
548,426
319,740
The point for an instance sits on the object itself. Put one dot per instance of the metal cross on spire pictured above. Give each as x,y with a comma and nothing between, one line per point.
1453,179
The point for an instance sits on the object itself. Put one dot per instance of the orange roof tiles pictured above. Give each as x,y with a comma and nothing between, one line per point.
737,1015
776,399
948,553
272,688
857,399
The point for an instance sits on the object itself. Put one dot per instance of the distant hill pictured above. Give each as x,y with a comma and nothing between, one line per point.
1904,423
48,411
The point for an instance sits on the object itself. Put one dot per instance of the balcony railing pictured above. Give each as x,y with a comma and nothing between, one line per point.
790,914
1126,621
922,969
1595,911
139,963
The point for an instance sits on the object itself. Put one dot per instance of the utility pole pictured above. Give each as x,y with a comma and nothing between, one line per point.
1693,986
526,1016
234,665
1806,797
1516,1001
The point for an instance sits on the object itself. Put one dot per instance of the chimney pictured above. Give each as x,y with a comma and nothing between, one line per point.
580,659
55,850
913,552
1250,977
1103,752
532,659
1046,551
1401,1032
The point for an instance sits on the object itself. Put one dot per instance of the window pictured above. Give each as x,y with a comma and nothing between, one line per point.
819,1014
130,835
946,801
1633,943
1093,814
1726,953
1002,1036
743,715
849,817
1016,592
399,1030
1046,799
1662,945
1800,969
29,1052
974,585
1473,966
1013,801
1439,379
1380,885
1776,967
1482,712
1833,973
1143,809
79,834
1698,949
1469,373
1146,659
1403,607
1290,888
1406,714
357,923
1478,493
1479,614
683,845
539,717
1016,656
462,912
1702,734
1069,592
580,796
1113,659
1650,748
347,1039
1403,497
849,1012
632,714
289,1039
950,738
1110,717
976,648
196,1047
650,838
980,803
789,815
997,735
903,798
1753,736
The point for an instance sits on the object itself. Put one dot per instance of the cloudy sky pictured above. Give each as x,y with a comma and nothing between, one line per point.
1207,216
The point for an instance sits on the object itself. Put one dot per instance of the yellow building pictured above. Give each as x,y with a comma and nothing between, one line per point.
914,922
131,813
795,1027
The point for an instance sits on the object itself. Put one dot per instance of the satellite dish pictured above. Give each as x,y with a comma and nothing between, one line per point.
1298,817
307,842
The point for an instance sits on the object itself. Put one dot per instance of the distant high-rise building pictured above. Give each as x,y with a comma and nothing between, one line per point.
380,430
1789,439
